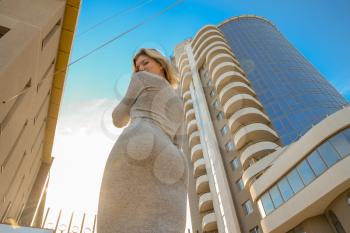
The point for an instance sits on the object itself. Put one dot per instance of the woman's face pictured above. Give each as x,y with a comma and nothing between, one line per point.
145,63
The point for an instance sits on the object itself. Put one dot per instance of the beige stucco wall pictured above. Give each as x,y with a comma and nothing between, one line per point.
317,224
40,32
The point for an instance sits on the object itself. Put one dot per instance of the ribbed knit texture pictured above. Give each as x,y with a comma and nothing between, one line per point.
145,180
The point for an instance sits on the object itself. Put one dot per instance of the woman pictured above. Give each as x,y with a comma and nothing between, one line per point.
144,184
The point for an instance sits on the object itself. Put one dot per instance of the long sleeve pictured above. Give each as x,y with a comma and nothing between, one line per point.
121,114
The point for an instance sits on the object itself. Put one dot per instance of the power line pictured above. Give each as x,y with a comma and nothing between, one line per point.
150,18
127,10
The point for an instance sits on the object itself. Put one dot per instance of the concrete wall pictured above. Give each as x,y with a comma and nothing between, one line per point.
30,92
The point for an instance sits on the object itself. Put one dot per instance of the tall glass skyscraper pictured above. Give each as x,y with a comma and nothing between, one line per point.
248,94
294,94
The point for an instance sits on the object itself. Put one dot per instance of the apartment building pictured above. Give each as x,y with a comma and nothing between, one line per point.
268,136
35,43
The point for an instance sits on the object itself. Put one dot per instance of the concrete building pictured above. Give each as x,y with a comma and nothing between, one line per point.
35,43
268,136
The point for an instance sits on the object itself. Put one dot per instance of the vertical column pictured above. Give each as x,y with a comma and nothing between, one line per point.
227,218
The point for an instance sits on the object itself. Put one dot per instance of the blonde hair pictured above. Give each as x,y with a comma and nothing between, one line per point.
169,72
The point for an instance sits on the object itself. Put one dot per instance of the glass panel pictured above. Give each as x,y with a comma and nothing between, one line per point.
235,163
276,196
224,130
316,163
341,144
216,104
255,230
267,203
346,133
307,175
240,184
261,209
209,82
295,181
285,189
220,116
229,146
247,207
212,93
328,154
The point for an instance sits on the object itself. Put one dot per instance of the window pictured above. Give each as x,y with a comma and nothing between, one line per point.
295,181
216,104
328,154
229,146
212,93
316,163
336,223
285,189
235,163
305,172
3,31
266,204
224,130
247,207
220,116
341,144
255,230
239,184
209,83
276,196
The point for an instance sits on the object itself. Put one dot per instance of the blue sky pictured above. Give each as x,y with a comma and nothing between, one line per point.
317,28
85,134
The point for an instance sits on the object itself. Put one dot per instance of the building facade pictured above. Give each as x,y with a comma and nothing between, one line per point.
266,132
35,44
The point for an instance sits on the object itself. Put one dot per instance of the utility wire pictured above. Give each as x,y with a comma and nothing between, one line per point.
148,19
125,11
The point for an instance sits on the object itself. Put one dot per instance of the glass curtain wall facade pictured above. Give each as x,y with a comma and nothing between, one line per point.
294,94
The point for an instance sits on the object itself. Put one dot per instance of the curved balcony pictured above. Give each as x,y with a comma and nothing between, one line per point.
208,40
238,102
228,77
205,202
196,152
254,132
259,167
186,81
220,58
202,184
190,115
182,58
312,200
184,69
199,168
183,64
188,105
234,88
246,116
218,50
202,54
200,34
209,222
257,150
191,126
194,139
222,68
186,95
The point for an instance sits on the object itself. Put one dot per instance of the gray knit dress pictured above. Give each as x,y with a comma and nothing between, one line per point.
144,186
